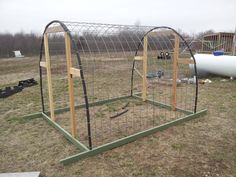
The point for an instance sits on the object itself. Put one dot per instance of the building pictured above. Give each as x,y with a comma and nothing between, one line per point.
218,41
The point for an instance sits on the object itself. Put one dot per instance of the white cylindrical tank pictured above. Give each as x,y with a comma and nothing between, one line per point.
223,65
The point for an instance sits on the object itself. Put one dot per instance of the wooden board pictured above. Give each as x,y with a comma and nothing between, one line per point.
175,73
138,58
43,64
75,72
71,71
145,48
21,174
54,29
49,77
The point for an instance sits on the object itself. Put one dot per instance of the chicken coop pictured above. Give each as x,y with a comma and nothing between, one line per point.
103,85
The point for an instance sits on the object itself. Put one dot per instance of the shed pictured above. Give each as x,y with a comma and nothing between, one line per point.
218,41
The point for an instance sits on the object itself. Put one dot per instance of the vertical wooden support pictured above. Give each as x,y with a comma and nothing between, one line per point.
145,48
234,43
202,44
219,43
175,73
49,76
71,84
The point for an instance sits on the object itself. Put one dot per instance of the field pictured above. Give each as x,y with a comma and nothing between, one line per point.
203,147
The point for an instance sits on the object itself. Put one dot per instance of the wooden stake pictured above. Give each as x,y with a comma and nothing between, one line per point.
145,48
49,76
71,85
175,73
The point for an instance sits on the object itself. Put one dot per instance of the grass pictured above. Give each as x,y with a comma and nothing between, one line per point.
201,147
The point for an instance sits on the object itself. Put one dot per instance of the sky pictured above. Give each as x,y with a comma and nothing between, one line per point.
190,16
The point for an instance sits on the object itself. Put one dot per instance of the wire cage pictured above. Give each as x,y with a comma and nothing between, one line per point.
105,85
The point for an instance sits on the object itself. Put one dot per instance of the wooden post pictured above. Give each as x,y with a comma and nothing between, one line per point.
71,85
234,43
202,44
49,76
145,48
175,73
219,43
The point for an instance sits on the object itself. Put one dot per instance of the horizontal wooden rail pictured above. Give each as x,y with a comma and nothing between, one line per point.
75,72
43,64
138,58
54,29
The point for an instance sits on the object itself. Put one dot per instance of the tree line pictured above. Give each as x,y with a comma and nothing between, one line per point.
29,44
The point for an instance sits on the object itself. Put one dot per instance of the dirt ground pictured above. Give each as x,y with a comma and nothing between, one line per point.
205,147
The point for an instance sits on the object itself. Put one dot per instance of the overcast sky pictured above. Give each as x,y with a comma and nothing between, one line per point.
188,15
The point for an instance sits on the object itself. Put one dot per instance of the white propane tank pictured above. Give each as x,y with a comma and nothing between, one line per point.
223,65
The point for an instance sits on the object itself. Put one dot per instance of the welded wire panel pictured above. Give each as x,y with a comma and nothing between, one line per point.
107,54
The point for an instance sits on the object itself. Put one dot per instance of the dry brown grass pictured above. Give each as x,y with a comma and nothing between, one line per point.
203,147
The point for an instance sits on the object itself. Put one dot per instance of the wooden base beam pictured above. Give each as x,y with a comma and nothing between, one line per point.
130,138
163,105
67,135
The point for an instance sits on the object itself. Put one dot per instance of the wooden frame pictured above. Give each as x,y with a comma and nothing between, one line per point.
87,150
120,142
71,72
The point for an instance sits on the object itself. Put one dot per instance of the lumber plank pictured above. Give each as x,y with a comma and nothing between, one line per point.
175,73
49,76
138,58
145,48
71,84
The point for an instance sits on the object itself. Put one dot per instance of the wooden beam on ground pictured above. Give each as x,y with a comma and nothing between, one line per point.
131,138
175,73
55,29
71,84
145,48
163,105
49,76
66,134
